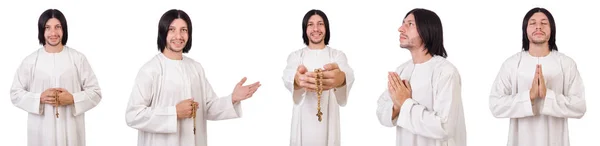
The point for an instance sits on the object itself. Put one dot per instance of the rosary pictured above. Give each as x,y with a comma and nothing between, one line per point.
57,103
319,84
194,106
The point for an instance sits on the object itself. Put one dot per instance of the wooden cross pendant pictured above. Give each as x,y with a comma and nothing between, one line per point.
319,114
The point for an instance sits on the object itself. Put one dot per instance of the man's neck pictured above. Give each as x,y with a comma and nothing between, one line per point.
539,50
319,46
173,55
53,49
419,55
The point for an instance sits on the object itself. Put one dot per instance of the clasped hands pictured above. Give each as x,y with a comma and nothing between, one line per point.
333,77
51,95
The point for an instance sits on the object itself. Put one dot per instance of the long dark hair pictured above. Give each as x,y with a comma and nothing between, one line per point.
47,15
552,40
305,23
163,28
430,29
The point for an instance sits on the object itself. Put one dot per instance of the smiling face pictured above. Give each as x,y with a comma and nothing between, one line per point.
53,32
316,30
177,35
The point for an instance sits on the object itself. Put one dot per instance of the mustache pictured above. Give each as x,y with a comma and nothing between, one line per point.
536,32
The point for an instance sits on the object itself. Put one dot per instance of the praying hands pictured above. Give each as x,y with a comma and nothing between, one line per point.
538,86
399,90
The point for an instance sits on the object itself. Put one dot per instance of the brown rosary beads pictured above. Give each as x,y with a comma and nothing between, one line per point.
194,106
57,103
319,84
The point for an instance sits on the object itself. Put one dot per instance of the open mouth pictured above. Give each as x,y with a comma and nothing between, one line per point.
178,42
316,34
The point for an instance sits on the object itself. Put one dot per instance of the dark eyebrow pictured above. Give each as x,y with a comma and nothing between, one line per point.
540,20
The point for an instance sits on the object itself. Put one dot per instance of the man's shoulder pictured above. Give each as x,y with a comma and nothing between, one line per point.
77,55
513,59
295,54
403,65
443,65
31,58
336,52
564,58
297,51
152,66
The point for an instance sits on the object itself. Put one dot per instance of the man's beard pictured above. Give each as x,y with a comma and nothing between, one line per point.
316,42
173,50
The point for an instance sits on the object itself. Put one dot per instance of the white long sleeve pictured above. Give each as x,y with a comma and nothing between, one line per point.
385,104
160,86
341,93
91,95
293,61
545,122
434,115
571,104
385,109
140,115
20,93
440,122
218,108
504,102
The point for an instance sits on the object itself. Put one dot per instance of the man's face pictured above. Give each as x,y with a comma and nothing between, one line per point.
177,35
315,29
409,36
538,28
53,32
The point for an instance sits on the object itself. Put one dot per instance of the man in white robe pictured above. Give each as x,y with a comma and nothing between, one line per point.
423,100
299,79
170,87
538,88
56,86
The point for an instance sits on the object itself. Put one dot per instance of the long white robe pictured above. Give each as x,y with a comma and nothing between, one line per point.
306,130
68,69
544,123
159,86
434,115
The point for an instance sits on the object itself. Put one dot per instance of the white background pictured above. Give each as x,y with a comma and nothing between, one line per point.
236,38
